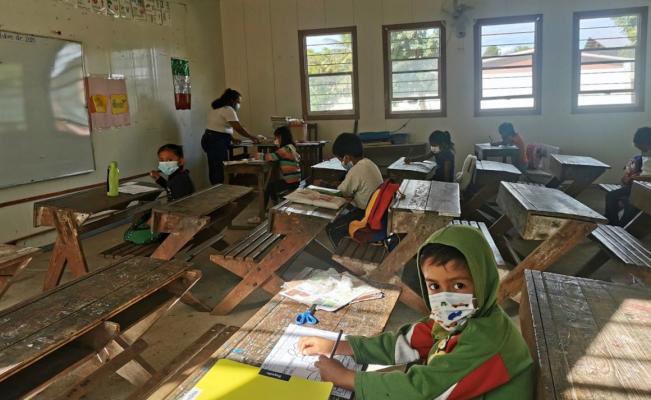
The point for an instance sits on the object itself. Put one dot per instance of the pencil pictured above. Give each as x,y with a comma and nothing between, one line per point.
334,349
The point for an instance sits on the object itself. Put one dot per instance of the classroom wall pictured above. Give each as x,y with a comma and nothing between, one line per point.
261,60
140,51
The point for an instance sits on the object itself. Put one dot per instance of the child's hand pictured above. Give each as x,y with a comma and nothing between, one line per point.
407,161
333,371
154,174
315,346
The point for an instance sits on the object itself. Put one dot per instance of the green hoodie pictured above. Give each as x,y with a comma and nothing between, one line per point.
486,359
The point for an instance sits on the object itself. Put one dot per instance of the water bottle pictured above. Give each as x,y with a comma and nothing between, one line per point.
112,179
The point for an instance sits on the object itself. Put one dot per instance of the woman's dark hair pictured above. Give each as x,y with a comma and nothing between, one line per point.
285,135
506,129
440,254
441,138
348,144
643,136
226,99
174,148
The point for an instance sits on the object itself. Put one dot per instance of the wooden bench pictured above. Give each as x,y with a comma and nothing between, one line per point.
91,326
194,356
13,259
487,235
588,339
618,244
362,258
248,255
609,187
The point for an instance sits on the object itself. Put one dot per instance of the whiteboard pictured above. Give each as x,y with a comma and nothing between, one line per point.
44,131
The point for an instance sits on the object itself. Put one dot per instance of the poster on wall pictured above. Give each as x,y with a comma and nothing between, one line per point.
138,10
181,76
166,13
125,9
108,103
99,6
155,13
113,8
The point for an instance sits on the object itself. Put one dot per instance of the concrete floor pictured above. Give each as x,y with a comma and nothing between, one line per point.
182,325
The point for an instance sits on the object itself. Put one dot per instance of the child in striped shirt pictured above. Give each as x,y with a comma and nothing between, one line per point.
289,163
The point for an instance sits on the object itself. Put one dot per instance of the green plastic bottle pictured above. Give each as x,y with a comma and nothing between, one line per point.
112,179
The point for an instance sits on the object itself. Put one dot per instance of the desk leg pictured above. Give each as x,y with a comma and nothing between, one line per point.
581,183
395,261
263,273
548,252
9,272
484,193
640,226
67,250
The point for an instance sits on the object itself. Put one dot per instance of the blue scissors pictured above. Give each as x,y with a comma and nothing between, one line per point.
307,317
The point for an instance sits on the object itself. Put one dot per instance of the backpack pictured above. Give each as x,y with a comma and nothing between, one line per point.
373,227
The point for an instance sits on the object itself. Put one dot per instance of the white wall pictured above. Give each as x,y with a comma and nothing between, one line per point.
261,60
140,51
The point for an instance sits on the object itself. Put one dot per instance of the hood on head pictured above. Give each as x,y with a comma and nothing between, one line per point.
474,247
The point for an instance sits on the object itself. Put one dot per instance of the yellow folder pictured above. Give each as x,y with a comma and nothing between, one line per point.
230,380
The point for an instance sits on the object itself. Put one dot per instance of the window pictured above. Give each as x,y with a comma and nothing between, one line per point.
507,65
329,73
609,60
414,70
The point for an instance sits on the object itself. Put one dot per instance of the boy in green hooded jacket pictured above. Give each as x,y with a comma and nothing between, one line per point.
467,348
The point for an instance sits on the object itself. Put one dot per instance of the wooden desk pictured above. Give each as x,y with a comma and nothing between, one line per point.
13,260
257,337
261,169
589,339
68,214
427,206
311,153
483,151
424,170
183,219
487,179
330,171
92,325
384,154
641,196
244,151
540,213
582,171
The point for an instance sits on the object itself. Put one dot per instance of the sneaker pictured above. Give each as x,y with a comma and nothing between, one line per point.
254,220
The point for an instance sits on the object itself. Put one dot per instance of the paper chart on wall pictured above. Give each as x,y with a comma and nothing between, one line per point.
285,358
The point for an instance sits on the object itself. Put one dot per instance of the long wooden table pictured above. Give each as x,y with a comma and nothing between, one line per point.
257,337
214,208
330,171
422,208
92,325
13,259
589,339
487,179
69,213
262,170
541,214
484,151
422,170
580,170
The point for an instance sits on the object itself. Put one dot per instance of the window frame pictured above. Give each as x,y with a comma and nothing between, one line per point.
327,115
388,82
536,72
640,60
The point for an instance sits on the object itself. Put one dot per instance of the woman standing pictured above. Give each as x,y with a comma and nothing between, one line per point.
222,120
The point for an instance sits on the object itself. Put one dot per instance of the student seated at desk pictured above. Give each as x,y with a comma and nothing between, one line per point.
362,179
638,167
511,138
289,162
171,164
442,150
467,348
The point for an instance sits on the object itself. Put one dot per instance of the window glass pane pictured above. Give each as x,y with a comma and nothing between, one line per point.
414,56
608,32
608,76
507,61
603,99
331,93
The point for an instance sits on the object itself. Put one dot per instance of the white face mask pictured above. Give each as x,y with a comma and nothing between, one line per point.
237,107
435,149
451,310
277,143
347,166
168,167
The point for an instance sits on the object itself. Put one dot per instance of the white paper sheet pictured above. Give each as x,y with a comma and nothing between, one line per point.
285,357
134,188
